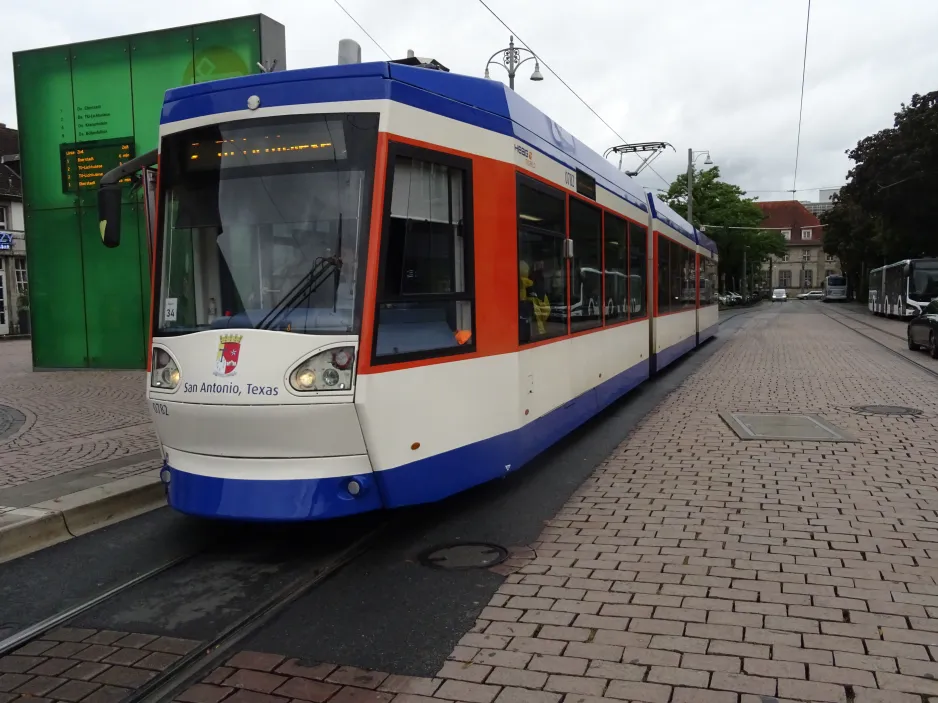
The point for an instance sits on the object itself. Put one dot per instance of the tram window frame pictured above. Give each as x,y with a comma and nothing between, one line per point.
617,255
638,252
450,303
581,241
663,282
556,234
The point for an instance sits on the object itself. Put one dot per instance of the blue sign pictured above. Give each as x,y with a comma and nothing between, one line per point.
6,241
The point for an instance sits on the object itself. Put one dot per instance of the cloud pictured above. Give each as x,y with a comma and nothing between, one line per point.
723,75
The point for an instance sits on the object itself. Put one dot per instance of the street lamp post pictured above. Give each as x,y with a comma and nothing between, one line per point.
692,156
511,61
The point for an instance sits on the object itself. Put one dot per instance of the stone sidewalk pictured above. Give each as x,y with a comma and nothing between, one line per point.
696,567
57,422
77,451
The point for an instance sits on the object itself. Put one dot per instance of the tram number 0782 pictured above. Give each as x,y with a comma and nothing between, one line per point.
161,409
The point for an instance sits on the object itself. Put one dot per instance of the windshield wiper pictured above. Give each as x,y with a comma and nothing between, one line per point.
305,287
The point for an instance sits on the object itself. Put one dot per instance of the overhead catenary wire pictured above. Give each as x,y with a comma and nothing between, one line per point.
374,41
565,84
804,67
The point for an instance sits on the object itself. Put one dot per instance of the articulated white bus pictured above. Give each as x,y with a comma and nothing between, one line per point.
904,288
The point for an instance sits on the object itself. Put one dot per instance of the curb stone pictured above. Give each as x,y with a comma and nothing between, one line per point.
27,530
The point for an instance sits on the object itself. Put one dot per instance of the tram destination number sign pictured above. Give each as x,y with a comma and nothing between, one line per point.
84,163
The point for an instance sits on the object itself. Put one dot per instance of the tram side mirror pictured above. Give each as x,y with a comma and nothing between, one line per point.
109,214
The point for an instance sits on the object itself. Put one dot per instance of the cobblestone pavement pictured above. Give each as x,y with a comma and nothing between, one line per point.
73,419
692,567
93,666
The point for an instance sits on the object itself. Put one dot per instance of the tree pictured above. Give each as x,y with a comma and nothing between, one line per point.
721,207
855,238
887,210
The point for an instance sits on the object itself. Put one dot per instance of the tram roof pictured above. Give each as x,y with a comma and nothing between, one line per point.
485,103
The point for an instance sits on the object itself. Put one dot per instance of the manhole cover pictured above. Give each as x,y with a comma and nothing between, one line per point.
886,410
791,427
11,420
469,555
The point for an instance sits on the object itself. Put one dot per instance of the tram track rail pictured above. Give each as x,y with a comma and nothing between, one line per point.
37,630
895,352
194,666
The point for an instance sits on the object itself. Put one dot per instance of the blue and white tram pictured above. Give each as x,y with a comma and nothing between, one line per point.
364,280
835,288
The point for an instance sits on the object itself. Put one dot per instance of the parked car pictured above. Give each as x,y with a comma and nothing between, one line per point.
779,295
811,295
923,330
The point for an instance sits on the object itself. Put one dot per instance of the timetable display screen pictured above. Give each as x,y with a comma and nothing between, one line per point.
85,163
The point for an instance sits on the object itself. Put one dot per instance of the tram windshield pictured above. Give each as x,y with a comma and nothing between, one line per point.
264,224
923,281
836,281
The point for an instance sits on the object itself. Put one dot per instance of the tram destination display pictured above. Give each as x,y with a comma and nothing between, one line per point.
84,163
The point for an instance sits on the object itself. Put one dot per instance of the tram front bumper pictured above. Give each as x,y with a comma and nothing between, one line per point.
265,462
269,489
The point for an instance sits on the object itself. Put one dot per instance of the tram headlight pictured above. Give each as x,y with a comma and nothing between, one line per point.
165,373
330,370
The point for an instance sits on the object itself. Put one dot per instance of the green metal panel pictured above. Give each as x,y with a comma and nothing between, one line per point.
227,49
113,305
90,305
56,291
158,62
103,102
45,115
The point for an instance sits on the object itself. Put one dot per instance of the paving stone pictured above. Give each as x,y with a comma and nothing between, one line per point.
158,661
350,676
307,690
39,685
259,681
259,661
306,670
124,676
84,671
107,694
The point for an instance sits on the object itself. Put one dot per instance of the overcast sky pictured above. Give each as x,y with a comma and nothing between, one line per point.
723,75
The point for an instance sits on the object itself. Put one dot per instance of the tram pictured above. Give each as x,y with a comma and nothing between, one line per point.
834,288
904,288
377,285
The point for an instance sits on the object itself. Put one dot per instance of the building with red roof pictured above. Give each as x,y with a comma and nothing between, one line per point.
806,264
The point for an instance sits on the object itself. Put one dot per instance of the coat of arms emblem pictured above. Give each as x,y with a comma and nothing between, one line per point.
229,351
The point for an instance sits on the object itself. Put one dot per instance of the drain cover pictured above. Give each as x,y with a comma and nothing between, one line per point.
886,410
792,427
469,555
11,420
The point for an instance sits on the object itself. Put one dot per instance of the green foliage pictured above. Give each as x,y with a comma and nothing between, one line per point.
887,211
721,207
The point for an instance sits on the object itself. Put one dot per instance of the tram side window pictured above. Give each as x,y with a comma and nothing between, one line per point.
637,265
425,292
678,269
664,275
616,243
542,269
586,294
689,291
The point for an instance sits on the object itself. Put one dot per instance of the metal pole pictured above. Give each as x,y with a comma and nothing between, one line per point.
744,272
690,187
511,63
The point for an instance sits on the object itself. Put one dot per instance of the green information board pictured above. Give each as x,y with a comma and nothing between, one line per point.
83,109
